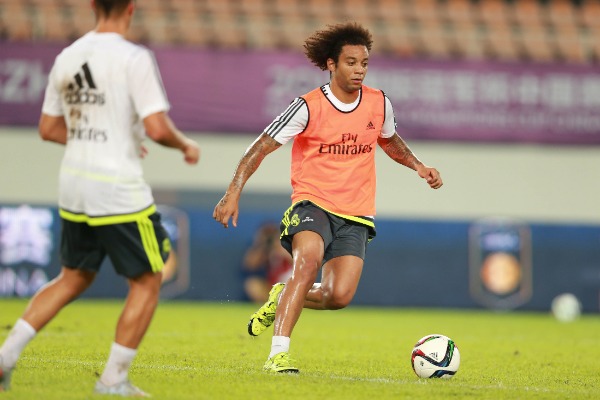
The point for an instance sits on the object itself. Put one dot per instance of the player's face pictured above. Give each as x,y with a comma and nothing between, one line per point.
350,71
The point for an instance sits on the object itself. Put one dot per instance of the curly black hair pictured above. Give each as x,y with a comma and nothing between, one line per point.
327,43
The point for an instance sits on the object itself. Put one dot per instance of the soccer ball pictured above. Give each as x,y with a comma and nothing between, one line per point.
566,307
435,356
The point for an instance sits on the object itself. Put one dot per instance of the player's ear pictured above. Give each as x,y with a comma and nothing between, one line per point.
130,7
330,65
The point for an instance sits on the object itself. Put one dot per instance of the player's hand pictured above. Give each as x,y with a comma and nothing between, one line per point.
191,152
227,208
431,175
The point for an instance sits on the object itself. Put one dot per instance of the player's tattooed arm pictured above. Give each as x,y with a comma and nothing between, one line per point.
251,159
227,207
397,149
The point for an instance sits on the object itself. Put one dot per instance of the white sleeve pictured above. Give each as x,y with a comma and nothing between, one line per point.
389,124
145,85
289,123
52,101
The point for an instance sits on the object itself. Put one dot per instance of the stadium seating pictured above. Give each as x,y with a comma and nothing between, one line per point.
506,30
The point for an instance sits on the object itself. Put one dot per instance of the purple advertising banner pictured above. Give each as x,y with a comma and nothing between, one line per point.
237,91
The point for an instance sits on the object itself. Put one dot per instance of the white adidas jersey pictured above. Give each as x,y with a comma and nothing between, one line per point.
104,86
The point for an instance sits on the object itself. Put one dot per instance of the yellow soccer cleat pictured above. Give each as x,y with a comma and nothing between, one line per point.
281,363
264,317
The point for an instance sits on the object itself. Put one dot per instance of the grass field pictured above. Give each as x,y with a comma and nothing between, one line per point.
202,351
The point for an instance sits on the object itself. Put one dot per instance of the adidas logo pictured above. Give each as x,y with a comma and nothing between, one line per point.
370,125
87,74
83,90
434,355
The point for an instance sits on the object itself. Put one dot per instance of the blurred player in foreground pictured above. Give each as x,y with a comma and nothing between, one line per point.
335,129
102,93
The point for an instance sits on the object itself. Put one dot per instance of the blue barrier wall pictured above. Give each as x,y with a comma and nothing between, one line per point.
410,262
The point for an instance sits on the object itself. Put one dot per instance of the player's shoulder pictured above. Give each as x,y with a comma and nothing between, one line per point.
135,47
75,46
315,93
129,48
369,89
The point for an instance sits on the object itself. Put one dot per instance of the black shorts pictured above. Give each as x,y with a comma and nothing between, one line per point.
133,247
342,237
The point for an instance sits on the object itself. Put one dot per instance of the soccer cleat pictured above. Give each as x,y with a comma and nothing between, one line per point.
264,317
125,389
5,374
281,362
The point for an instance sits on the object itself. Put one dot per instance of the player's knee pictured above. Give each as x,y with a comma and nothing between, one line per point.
336,300
306,269
75,281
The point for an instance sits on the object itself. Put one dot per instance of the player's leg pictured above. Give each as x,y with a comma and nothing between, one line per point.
44,306
339,281
341,274
56,294
80,250
344,259
306,218
307,251
346,253
138,251
137,314
306,233
141,303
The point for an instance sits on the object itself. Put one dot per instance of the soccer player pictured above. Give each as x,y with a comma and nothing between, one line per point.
103,92
335,129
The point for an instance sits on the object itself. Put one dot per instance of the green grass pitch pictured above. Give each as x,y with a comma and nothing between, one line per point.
202,351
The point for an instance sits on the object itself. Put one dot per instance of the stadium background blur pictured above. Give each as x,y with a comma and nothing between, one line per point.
509,30
500,96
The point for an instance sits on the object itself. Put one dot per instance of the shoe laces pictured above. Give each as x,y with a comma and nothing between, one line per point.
268,311
283,360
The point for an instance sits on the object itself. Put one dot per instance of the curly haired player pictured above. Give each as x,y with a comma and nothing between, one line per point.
335,130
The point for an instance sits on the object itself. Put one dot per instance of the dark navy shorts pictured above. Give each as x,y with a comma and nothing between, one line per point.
133,247
342,237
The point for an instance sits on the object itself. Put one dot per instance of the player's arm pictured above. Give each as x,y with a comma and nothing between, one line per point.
228,206
151,104
53,128
161,129
52,125
397,149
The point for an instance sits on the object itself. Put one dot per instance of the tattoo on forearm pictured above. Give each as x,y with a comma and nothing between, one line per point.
398,150
251,160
